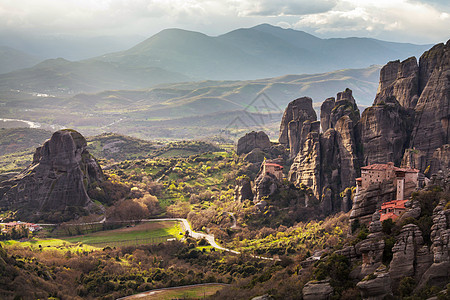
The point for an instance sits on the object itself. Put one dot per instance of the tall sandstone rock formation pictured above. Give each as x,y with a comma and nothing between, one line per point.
385,129
326,162
298,120
409,120
54,187
431,125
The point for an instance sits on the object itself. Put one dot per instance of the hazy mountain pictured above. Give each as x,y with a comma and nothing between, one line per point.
68,46
12,59
60,76
176,55
188,52
345,52
257,52
189,109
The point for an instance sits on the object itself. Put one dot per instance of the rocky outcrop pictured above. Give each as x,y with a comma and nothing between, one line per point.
431,125
385,130
410,257
252,141
372,248
332,110
348,152
438,273
401,81
377,286
255,156
307,165
325,113
441,179
345,105
366,202
328,162
292,133
54,186
317,290
243,189
265,186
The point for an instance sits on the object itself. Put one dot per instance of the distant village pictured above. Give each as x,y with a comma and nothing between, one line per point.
18,229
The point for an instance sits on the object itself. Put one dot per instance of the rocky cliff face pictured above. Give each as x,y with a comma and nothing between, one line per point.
401,81
53,187
410,256
367,202
327,162
385,130
292,133
439,272
431,125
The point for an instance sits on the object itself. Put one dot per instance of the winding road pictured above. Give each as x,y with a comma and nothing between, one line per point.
208,237
187,227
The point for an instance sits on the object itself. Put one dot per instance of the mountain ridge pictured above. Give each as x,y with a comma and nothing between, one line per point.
177,55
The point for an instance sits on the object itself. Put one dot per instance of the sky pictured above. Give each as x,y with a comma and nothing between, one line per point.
414,21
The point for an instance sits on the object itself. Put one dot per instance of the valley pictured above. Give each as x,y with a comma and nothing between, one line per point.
149,172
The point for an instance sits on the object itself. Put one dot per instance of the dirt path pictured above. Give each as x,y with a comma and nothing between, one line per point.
154,293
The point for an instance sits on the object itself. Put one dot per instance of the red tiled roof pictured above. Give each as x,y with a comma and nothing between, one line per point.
389,166
377,167
359,179
388,216
406,170
394,204
274,165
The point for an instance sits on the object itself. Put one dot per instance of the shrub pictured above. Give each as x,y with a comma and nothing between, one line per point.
406,286
387,225
389,243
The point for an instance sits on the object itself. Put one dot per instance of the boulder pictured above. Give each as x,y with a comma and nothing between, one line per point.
317,290
376,286
265,186
251,141
255,156
54,187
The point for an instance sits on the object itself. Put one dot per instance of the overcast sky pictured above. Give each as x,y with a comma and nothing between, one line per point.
414,21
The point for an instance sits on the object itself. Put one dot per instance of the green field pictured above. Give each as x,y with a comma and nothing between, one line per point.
184,292
146,231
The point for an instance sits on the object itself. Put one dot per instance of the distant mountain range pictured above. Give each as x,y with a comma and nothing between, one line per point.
12,59
176,55
187,110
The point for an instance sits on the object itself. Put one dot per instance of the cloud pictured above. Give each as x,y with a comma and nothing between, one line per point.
398,20
284,7
406,20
